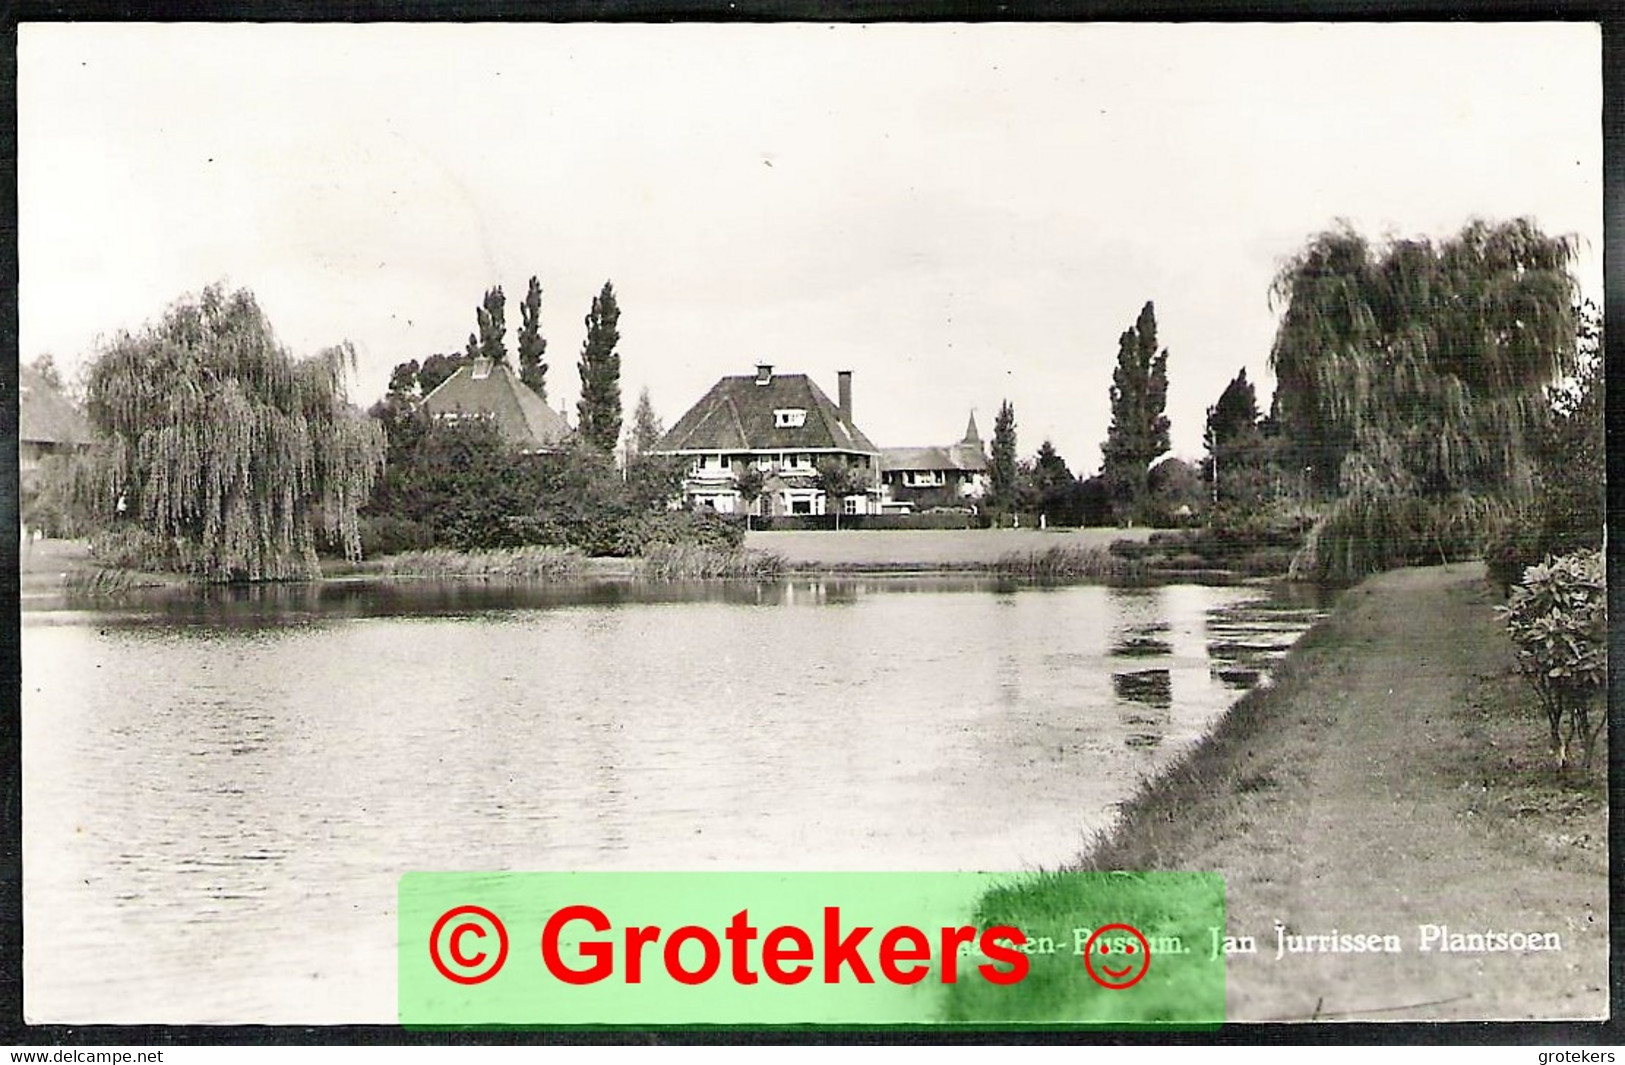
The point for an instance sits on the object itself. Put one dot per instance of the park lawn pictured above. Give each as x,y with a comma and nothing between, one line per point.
925,548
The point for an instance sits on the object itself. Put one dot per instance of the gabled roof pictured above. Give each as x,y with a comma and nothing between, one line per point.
495,391
44,414
953,457
967,455
738,415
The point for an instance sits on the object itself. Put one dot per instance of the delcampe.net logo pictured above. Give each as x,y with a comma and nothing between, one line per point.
1115,950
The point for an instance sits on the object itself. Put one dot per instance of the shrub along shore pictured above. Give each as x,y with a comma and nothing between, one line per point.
1393,777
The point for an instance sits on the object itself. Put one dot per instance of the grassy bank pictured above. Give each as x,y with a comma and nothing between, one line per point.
513,564
676,562
50,567
1394,776
1066,563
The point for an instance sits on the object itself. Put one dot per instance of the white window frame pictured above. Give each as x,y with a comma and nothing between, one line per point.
789,417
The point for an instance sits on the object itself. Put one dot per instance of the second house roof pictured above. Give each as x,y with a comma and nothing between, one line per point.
739,414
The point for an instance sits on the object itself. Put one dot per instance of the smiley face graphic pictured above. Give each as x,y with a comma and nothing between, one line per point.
1119,960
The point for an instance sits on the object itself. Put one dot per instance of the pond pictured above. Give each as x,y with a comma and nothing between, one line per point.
221,789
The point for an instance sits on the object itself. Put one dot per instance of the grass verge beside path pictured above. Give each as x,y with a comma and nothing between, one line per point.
1394,776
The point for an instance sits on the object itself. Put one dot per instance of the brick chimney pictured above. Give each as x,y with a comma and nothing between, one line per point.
843,379
764,373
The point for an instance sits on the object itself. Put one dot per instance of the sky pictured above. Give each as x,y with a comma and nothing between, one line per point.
959,214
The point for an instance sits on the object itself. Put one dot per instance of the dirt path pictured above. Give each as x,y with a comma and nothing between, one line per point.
1407,788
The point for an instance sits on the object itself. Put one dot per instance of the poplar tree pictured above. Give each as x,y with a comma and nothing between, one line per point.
493,329
599,409
532,345
1138,435
1002,473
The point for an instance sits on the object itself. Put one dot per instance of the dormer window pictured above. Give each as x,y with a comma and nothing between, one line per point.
789,418
481,369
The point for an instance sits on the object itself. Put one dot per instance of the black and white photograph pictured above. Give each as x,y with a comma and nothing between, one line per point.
812,448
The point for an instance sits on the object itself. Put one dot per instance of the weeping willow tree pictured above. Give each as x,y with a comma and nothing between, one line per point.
228,453
1417,371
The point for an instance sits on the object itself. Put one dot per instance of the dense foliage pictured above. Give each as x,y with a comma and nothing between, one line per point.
1050,490
1175,493
1421,367
1412,384
1571,452
1368,533
1567,514
228,453
460,485
1558,620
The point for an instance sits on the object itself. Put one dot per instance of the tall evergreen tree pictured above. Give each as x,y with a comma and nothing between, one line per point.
1054,489
653,480
1002,474
1229,422
599,410
1139,431
646,427
532,345
493,329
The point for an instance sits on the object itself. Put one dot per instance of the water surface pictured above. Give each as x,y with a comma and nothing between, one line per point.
222,789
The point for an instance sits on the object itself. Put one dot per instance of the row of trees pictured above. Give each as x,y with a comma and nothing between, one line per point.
1412,370
1043,487
1131,485
462,485
598,411
1429,393
226,456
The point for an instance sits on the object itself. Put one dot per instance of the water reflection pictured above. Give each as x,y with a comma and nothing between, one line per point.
1148,687
222,790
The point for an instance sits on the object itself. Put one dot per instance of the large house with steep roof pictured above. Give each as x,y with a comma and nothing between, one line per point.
919,478
784,426
486,389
